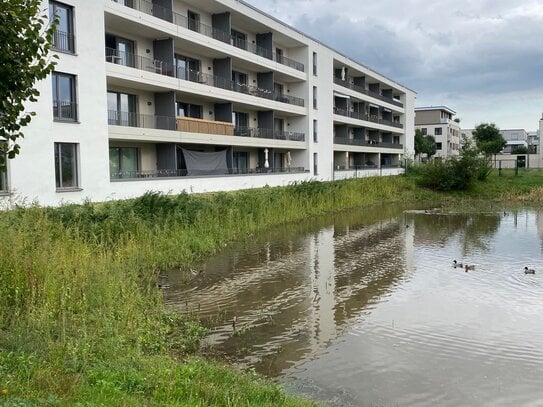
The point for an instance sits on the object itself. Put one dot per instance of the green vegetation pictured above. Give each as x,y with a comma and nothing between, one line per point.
82,322
488,139
424,144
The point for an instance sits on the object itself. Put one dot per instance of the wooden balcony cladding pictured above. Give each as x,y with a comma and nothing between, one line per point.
192,125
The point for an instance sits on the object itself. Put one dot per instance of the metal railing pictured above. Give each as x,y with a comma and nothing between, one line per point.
365,167
362,142
64,110
166,14
63,41
367,117
163,68
129,119
243,131
347,84
176,173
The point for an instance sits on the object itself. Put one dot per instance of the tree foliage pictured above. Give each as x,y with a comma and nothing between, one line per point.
488,139
25,43
424,144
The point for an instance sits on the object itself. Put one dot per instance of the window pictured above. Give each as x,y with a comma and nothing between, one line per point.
193,21
189,110
240,119
63,37
314,97
438,146
120,51
315,63
121,109
4,179
279,55
66,166
64,100
240,162
315,162
123,162
438,131
187,68
315,137
239,39
278,127
424,131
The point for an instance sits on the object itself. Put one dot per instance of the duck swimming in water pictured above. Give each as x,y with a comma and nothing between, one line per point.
457,264
468,267
528,271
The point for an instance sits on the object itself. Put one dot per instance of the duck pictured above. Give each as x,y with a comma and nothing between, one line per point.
469,267
457,264
164,286
528,271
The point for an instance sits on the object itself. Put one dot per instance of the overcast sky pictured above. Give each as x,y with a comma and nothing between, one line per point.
481,58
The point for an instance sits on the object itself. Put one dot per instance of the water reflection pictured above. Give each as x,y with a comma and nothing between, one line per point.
365,308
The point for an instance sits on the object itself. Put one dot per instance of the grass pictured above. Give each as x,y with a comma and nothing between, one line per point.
82,322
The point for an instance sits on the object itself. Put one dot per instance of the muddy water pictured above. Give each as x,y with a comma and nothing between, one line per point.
365,308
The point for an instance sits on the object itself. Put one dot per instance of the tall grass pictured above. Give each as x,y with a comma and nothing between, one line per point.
81,319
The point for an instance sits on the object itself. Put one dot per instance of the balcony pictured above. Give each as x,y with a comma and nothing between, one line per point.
162,68
366,143
180,20
367,117
347,84
193,125
177,173
63,41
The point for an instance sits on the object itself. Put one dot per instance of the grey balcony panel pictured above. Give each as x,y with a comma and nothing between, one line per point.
347,84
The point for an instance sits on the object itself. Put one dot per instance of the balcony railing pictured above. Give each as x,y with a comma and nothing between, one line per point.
194,125
166,14
268,133
367,117
176,173
64,110
171,70
347,84
63,41
362,142
365,167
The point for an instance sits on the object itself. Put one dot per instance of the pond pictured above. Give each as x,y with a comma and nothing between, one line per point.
364,308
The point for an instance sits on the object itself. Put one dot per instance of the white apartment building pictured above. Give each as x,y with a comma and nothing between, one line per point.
438,121
197,96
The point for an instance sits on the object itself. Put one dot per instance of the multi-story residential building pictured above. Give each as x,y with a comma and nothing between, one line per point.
173,95
533,142
438,121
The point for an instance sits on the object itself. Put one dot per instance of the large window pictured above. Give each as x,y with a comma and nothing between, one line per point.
315,63
121,109
315,134
239,39
240,162
193,22
314,97
66,173
63,38
438,146
189,110
438,131
64,98
120,50
123,162
187,68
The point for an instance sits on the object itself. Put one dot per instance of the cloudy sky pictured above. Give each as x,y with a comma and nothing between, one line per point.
482,58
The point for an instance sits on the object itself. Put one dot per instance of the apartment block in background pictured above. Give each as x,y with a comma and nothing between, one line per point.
438,121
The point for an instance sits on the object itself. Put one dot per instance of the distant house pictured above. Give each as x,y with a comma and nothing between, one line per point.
438,121
515,138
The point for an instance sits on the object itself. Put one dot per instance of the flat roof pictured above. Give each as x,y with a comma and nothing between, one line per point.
429,108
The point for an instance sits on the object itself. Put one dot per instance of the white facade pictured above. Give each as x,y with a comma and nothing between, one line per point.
141,87
437,121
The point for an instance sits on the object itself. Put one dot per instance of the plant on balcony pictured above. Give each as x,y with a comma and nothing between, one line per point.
26,40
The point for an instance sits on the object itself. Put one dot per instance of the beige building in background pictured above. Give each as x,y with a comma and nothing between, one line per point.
438,121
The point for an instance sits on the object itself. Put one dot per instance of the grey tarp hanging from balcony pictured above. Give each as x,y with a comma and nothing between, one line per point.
205,163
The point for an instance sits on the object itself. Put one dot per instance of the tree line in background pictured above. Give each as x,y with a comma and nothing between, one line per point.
458,173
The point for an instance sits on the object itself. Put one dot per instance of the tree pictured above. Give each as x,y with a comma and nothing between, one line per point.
26,41
424,144
488,139
519,150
